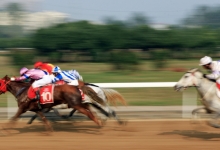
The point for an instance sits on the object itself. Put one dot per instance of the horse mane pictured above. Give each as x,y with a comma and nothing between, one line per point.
193,70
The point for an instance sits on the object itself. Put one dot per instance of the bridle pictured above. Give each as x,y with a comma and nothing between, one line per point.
194,84
3,87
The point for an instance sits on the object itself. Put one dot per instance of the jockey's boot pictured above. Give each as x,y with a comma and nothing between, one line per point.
37,97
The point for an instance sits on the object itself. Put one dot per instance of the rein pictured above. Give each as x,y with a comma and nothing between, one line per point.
199,86
3,88
194,84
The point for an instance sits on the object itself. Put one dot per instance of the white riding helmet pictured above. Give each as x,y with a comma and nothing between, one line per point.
56,70
205,60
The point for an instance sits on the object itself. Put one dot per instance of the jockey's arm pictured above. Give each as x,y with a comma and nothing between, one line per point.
24,77
57,78
213,76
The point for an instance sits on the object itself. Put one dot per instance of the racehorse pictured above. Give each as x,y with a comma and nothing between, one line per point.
207,90
110,96
62,94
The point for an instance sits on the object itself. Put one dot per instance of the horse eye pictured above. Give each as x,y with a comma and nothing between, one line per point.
186,76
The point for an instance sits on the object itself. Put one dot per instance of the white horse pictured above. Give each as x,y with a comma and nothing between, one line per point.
207,90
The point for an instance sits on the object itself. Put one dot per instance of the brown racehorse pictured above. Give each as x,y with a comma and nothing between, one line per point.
62,94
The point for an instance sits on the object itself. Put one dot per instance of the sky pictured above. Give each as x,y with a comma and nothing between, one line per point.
159,11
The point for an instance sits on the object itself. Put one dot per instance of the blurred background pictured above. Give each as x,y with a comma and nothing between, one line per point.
112,41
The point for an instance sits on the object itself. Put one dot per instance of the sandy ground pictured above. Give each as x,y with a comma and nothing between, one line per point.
136,135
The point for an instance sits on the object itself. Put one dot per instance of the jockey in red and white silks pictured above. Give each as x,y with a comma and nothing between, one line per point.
214,66
44,66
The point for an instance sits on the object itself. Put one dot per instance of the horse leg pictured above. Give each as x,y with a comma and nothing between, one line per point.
58,114
195,112
108,113
32,119
100,109
72,112
88,113
14,119
35,116
113,113
214,122
46,122
120,121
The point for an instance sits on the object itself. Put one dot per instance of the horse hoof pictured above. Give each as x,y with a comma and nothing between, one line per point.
29,122
213,125
122,122
65,117
194,121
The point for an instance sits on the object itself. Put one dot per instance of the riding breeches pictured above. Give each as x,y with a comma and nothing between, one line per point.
41,82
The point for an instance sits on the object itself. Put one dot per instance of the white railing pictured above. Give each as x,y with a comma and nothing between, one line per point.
189,99
136,84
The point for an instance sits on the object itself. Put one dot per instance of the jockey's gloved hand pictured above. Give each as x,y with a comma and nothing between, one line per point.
12,79
204,75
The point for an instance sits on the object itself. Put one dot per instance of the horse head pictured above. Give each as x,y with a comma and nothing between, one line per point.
3,82
190,79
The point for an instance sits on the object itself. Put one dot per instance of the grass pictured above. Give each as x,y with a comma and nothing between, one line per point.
102,72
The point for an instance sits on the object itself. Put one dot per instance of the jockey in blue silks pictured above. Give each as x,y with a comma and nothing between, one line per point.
65,76
75,74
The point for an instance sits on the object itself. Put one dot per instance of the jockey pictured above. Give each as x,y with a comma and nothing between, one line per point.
96,88
65,76
44,66
79,77
214,66
40,79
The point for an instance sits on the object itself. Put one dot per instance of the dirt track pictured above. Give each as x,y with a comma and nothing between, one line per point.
136,135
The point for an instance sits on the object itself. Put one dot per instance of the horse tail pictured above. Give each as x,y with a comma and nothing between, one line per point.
92,94
113,96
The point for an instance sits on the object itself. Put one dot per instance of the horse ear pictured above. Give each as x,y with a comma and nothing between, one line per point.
6,77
